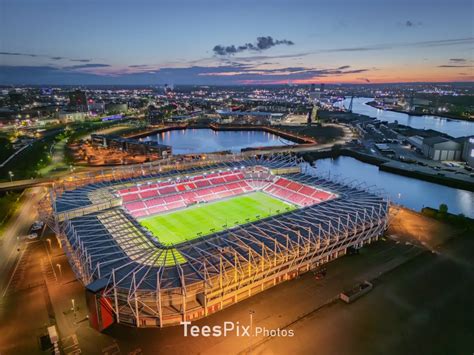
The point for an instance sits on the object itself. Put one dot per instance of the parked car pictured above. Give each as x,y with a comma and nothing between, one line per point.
320,274
32,236
37,225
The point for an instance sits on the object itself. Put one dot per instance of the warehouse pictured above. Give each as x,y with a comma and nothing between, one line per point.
440,148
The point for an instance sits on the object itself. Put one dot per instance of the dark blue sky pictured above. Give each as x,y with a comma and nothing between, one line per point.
234,42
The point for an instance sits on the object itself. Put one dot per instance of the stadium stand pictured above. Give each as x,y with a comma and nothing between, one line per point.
205,188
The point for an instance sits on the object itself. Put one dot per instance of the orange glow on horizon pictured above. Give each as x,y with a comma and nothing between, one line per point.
385,75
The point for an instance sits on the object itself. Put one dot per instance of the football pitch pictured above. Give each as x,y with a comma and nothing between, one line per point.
203,219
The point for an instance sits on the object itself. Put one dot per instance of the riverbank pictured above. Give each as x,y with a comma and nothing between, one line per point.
384,164
453,128
416,114
401,190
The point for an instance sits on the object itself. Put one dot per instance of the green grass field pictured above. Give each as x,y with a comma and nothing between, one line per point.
200,220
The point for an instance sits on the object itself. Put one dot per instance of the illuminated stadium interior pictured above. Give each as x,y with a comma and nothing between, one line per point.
186,208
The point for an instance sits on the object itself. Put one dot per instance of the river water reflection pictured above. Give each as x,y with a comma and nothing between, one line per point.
455,128
191,141
409,192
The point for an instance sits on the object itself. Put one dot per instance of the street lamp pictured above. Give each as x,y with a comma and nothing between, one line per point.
49,242
11,176
73,307
60,270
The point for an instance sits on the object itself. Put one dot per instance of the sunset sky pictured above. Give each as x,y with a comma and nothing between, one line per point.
235,42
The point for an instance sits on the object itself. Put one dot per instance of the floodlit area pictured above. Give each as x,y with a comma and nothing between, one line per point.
203,219
184,244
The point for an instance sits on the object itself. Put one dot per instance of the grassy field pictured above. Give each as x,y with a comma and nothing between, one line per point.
199,220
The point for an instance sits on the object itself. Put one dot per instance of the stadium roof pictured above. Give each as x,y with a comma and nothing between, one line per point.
114,245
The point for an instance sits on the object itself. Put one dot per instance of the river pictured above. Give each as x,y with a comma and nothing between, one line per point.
409,192
455,128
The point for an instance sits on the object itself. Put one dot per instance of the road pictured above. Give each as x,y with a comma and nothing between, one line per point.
304,148
57,159
17,227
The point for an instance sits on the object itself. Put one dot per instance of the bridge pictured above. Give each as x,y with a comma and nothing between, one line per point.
23,184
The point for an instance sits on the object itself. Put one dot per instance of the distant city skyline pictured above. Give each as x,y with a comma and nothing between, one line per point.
233,43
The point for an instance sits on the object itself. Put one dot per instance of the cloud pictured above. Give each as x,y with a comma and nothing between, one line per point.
139,66
255,58
262,43
356,49
19,54
410,23
88,66
81,60
253,74
198,75
387,46
454,66
456,63
32,55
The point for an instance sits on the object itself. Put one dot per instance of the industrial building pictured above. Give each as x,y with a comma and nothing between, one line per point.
468,151
441,148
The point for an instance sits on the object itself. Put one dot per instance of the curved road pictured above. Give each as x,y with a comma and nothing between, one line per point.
16,228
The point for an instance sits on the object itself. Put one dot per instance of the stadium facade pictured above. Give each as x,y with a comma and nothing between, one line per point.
131,277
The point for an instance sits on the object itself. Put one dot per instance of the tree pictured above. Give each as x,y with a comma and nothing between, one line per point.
443,208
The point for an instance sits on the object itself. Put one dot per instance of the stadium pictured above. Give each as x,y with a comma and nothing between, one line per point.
158,245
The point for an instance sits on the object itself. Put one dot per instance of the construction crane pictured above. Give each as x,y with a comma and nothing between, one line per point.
349,109
411,106
313,115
